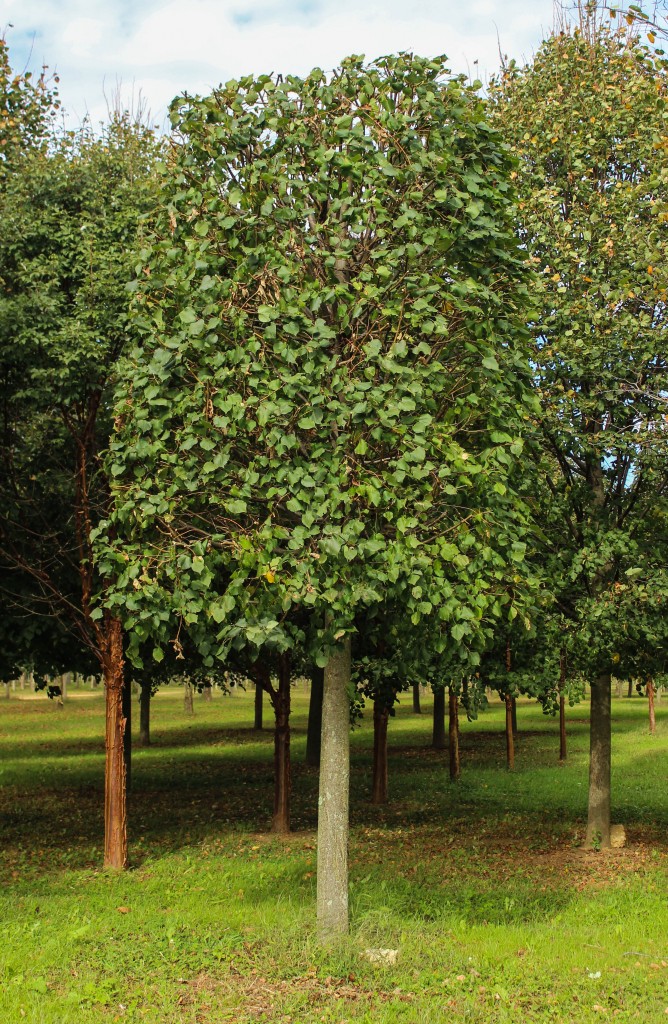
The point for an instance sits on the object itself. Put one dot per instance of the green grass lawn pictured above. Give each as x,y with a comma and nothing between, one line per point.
497,914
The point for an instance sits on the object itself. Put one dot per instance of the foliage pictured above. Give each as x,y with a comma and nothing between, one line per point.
328,397
586,120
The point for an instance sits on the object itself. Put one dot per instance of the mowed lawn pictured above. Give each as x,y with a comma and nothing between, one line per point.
496,912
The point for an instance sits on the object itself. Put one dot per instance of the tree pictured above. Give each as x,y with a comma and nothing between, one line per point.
69,219
586,121
329,394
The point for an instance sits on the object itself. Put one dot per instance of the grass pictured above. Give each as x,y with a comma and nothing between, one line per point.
497,913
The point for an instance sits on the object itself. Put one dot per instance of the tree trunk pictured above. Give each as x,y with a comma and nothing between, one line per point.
188,705
417,710
332,883
381,716
314,729
600,744
280,699
127,735
629,692
115,800
438,731
562,706
513,713
620,689
144,715
207,692
64,680
650,698
259,690
453,735
510,739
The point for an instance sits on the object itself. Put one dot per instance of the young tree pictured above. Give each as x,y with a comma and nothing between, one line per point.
68,224
328,399
586,120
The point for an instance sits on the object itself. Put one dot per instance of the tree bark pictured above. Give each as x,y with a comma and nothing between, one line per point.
438,741
280,699
381,716
453,735
333,796
600,748
188,705
650,699
207,692
314,728
417,710
629,692
144,715
115,797
510,739
259,690
513,712
127,735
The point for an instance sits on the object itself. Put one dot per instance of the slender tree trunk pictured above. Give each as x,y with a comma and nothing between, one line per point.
188,705
562,707
115,797
620,689
417,710
600,747
513,713
127,735
64,680
650,699
314,728
259,690
332,885
453,735
207,692
144,715
629,692
438,740
510,739
282,775
381,716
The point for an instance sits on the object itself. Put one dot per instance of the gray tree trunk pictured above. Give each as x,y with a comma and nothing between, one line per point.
600,748
332,861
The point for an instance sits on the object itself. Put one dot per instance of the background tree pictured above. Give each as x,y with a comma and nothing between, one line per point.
69,218
586,120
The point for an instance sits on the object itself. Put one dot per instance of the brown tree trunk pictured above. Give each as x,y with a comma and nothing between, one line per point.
280,699
314,728
562,707
127,735
510,739
188,705
333,797
513,713
438,741
207,692
381,716
417,710
144,715
600,748
453,735
629,692
650,699
259,690
115,797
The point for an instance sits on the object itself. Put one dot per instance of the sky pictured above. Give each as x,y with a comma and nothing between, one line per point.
156,49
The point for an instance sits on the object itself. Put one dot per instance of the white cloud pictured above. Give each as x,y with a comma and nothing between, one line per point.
164,47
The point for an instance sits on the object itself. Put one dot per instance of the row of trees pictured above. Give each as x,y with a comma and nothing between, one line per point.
389,399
